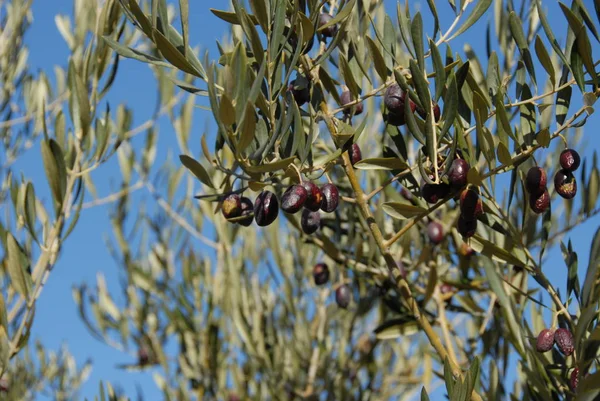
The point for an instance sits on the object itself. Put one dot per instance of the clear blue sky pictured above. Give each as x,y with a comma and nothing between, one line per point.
84,254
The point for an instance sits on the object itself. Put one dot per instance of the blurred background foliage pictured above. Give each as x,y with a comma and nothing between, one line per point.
220,311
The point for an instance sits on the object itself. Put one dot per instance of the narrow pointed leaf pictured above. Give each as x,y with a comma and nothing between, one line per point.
197,169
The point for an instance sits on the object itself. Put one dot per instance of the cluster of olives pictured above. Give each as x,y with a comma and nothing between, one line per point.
564,181
471,206
535,184
343,294
457,179
307,196
563,339
311,198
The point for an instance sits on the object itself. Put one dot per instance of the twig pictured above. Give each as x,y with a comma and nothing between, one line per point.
444,323
114,196
577,222
180,220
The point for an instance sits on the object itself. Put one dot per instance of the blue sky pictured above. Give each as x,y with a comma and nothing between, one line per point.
84,254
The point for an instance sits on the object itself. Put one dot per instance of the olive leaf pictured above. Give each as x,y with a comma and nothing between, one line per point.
17,264
197,169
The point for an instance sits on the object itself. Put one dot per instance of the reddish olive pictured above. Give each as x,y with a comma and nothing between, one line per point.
394,99
266,208
247,212
436,112
346,97
564,341
355,154
535,181
320,273
314,196
565,184
331,198
343,296
466,227
310,221
545,340
433,193
539,204
329,31
293,199
457,175
435,232
569,159
301,95
471,205
574,379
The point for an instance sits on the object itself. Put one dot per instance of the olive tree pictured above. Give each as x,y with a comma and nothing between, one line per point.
369,220
54,113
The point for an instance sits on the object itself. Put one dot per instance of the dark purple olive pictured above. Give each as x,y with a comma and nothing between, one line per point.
436,112
465,227
355,154
330,31
397,120
346,97
231,207
343,295
331,198
535,182
314,198
457,175
143,356
266,208
540,203
565,184
293,40
545,340
301,95
470,204
394,99
321,273
564,341
574,379
569,159
310,221
433,193
435,232
429,193
293,199
247,211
